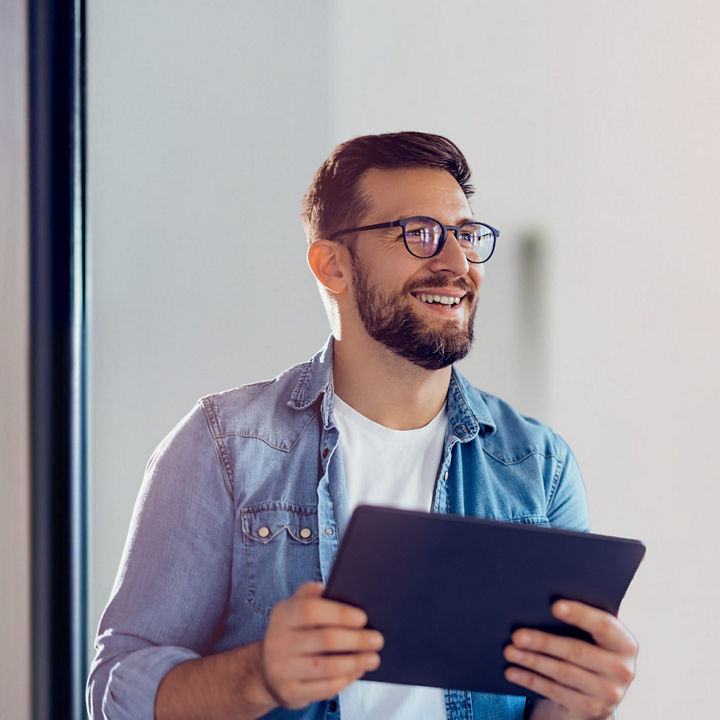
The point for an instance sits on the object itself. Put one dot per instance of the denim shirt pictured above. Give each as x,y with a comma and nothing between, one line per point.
219,533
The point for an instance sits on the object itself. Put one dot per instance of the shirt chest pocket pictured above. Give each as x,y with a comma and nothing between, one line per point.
280,546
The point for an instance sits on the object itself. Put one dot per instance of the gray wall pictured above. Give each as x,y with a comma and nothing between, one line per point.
590,127
205,124
14,376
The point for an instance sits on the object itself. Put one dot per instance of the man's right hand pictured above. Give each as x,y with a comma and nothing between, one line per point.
314,647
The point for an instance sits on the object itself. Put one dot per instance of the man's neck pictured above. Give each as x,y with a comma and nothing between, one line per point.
387,388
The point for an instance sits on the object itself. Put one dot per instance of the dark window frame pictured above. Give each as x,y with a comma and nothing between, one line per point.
56,71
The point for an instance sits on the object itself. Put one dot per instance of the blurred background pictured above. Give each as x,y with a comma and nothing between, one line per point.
591,130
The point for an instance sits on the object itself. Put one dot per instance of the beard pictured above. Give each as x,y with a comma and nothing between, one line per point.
390,321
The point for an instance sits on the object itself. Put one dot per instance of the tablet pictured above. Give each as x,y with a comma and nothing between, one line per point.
447,591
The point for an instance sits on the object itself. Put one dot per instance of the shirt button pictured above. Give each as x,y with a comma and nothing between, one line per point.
305,533
263,532
446,476
325,453
332,706
329,531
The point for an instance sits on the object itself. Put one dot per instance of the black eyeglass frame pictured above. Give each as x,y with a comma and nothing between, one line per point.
402,223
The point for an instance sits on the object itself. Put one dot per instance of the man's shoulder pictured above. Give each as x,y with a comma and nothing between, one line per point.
258,391
265,409
510,434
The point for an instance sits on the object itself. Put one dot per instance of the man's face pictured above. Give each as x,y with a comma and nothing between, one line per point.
392,288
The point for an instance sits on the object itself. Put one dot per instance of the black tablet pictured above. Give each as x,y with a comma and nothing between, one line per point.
447,591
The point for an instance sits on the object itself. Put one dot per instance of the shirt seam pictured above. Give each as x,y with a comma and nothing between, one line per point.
555,482
252,436
220,449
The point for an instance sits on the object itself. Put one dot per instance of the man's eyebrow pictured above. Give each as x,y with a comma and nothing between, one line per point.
461,221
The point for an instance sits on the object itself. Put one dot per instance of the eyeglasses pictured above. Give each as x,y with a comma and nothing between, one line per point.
425,237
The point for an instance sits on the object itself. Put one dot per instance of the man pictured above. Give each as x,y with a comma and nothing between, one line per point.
217,609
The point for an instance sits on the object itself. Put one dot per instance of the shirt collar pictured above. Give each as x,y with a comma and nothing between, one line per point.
315,380
467,409
466,406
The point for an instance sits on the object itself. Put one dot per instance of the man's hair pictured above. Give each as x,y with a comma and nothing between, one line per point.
334,200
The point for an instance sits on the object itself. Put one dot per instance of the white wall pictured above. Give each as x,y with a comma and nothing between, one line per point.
596,125
205,125
14,372
589,126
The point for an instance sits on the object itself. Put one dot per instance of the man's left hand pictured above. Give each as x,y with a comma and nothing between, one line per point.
585,681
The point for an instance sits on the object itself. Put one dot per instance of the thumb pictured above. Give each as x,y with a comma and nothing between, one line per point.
310,589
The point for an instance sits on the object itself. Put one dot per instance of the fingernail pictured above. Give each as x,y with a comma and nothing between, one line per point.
377,640
514,654
562,609
372,662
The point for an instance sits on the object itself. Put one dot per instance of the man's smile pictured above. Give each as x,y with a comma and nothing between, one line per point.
448,301
442,305
443,299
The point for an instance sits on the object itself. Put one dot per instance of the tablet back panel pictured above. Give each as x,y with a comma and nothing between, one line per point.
447,591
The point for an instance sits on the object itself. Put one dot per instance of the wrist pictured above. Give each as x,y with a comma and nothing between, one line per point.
549,710
252,685
546,710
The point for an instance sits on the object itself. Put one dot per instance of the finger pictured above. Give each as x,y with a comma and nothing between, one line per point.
573,700
607,631
306,611
577,652
310,589
324,667
334,640
562,672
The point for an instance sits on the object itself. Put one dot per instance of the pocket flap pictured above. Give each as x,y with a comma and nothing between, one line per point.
264,524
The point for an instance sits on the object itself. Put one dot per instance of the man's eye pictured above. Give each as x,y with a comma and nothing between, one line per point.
420,235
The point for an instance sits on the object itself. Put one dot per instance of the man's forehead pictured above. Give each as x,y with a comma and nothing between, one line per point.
404,192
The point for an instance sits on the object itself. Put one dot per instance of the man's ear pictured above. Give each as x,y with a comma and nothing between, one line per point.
328,261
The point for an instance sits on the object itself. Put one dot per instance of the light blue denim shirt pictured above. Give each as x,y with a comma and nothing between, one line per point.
197,577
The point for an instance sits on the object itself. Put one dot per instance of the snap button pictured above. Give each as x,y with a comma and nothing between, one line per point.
263,532
305,533
333,706
329,531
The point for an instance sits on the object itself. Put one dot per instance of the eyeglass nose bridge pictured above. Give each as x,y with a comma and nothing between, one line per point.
444,235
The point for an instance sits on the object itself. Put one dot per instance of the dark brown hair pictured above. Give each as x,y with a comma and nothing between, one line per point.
333,200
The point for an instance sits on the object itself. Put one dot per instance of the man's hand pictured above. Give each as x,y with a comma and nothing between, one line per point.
585,681
314,647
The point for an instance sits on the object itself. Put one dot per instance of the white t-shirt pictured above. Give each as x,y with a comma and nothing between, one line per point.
395,468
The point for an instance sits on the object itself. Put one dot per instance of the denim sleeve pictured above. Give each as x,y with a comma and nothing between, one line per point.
174,577
567,502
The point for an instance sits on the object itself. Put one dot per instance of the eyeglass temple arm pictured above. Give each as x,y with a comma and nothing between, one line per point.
377,226
394,223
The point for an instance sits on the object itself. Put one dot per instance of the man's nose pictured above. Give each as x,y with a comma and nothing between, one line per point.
451,258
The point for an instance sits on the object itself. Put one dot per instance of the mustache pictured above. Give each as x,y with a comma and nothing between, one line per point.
438,282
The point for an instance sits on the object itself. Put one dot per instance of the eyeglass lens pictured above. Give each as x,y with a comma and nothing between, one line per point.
423,236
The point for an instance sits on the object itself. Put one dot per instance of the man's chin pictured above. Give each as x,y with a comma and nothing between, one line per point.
428,340
436,351
439,359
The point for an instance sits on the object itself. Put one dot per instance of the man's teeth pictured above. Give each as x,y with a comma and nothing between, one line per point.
443,299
